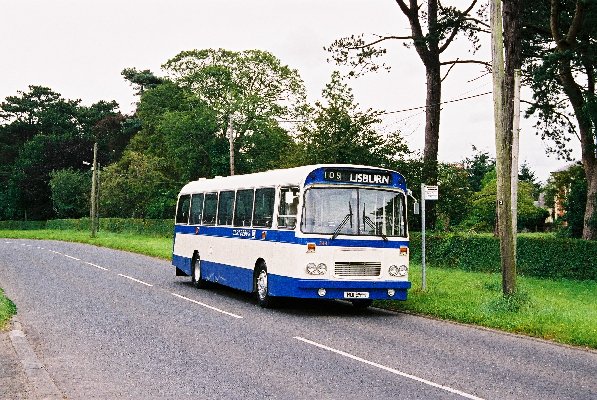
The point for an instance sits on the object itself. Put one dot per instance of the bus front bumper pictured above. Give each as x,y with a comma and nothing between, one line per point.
328,289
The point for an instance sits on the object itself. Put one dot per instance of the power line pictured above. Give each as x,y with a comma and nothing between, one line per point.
409,109
438,104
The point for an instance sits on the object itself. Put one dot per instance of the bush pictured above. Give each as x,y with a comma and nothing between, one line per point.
541,256
22,225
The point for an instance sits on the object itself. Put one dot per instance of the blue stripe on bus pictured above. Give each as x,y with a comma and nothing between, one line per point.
283,286
282,236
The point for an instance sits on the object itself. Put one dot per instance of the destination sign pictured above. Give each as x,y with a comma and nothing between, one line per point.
358,176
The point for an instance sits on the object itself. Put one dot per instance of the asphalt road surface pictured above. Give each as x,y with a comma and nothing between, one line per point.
108,324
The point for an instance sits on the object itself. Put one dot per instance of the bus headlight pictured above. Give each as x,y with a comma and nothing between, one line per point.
319,269
322,269
398,271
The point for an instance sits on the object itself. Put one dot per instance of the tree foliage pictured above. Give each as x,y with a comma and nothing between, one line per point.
43,132
560,56
249,91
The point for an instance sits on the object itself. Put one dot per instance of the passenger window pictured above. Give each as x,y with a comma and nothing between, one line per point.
182,212
225,207
196,209
288,209
264,207
210,208
243,208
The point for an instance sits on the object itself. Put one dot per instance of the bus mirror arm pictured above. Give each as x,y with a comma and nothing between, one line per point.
415,202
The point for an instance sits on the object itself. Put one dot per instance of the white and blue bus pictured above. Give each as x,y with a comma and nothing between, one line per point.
319,231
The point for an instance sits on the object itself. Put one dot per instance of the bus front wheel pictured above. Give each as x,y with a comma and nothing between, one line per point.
196,278
261,287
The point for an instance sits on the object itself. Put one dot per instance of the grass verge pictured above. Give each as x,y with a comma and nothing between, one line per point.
7,310
561,310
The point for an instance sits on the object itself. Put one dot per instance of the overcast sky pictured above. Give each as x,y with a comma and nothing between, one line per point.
79,47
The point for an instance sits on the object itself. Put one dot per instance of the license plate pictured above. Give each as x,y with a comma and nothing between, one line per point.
356,295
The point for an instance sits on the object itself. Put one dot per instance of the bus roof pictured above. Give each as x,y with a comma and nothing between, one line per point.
279,177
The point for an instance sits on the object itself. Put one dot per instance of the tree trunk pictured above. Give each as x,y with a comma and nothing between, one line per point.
589,231
432,119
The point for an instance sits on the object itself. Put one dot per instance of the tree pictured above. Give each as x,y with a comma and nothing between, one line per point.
141,80
454,202
70,193
137,187
42,133
560,56
477,168
340,133
246,90
443,25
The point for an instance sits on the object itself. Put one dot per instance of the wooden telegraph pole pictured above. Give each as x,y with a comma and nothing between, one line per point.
94,197
503,148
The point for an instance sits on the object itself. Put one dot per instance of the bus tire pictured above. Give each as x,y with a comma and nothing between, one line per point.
196,278
262,288
361,304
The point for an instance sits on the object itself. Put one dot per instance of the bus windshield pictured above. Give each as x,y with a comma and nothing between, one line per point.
354,211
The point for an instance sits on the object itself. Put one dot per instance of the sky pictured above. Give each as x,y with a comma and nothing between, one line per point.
78,48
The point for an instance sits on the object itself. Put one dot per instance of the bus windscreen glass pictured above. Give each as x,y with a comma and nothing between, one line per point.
354,211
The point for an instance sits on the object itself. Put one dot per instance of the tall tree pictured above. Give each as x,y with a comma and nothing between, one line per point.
561,65
245,89
432,32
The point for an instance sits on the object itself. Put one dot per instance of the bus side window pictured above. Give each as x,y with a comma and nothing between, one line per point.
182,213
196,209
210,208
288,209
264,207
243,208
225,207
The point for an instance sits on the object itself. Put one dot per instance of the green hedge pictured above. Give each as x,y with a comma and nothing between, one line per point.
151,227
540,256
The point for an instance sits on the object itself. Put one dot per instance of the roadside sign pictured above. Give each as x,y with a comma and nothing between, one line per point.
431,192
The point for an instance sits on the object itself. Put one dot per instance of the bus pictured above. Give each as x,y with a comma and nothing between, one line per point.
329,231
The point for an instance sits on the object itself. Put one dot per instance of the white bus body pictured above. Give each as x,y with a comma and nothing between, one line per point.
320,231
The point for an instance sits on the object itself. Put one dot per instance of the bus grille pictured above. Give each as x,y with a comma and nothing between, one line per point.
357,268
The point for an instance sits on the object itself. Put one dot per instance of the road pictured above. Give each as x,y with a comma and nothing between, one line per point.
108,324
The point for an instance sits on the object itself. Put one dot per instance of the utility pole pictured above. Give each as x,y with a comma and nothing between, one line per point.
503,149
94,190
515,152
230,134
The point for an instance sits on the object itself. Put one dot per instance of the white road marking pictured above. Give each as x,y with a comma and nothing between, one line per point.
136,280
74,258
388,369
207,306
55,252
96,266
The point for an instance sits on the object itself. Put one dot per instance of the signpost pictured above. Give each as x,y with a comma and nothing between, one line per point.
427,193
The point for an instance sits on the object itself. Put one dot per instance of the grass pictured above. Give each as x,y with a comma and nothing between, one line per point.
7,310
561,310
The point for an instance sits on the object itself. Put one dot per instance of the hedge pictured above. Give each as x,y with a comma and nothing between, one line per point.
537,255
151,227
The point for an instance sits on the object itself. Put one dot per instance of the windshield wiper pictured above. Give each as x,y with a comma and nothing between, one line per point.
344,221
369,221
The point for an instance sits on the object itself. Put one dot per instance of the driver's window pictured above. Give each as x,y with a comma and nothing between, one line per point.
288,209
